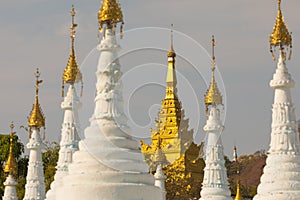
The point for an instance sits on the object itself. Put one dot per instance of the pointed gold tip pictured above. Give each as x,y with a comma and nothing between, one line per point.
109,15
280,37
238,192
213,95
171,52
11,165
36,118
72,72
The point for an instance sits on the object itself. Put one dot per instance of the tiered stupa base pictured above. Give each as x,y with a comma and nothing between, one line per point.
281,178
108,166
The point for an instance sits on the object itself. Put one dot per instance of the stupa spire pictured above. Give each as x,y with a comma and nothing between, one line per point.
171,90
109,15
280,179
215,183
11,163
36,118
72,72
280,37
213,95
70,129
35,186
238,195
11,168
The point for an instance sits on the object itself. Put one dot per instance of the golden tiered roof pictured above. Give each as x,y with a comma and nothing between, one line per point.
36,118
213,95
11,165
280,36
72,72
110,14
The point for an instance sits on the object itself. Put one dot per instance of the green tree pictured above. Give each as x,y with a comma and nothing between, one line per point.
50,158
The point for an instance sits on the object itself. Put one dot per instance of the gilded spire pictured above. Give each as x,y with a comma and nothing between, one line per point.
280,36
72,72
213,95
171,74
36,118
238,195
11,163
110,14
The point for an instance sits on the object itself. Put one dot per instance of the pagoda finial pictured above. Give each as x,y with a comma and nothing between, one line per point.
72,72
213,95
110,14
171,52
11,165
280,36
36,118
238,195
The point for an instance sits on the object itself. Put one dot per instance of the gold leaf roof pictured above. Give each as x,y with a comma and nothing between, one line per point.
11,165
213,95
280,35
36,118
110,14
72,72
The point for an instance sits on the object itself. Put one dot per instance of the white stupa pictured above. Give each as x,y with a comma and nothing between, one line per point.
215,185
108,164
70,126
11,168
35,185
281,176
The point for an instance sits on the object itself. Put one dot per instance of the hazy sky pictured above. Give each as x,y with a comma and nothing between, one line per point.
35,33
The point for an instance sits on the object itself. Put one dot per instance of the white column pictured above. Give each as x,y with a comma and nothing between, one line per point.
35,185
69,139
160,178
10,188
215,184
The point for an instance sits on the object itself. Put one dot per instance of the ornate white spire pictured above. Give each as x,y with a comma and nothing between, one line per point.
69,132
281,177
35,186
10,188
215,184
108,164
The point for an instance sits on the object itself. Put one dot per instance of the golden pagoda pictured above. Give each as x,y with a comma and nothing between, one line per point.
36,118
171,126
183,163
11,165
72,72
238,195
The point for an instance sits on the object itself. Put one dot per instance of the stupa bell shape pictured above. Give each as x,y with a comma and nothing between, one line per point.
35,185
281,175
215,185
70,126
108,164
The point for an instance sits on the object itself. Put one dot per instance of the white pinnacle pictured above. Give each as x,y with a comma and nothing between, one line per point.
108,164
215,184
69,139
281,177
35,186
10,188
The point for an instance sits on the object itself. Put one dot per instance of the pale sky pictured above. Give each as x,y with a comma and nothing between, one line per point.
35,33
